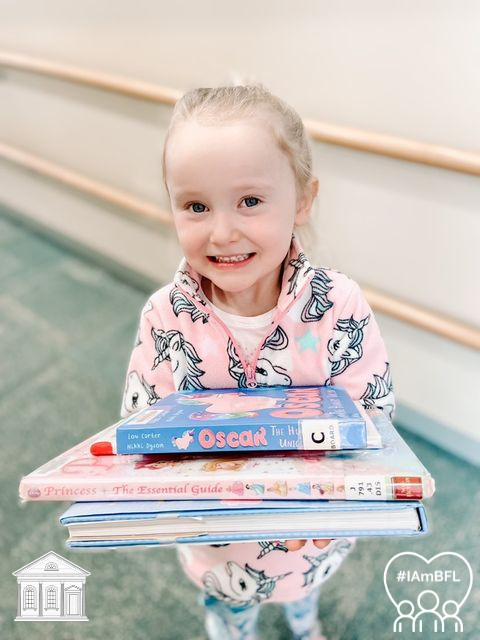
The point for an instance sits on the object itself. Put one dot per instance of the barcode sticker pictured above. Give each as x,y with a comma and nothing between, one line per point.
320,434
365,488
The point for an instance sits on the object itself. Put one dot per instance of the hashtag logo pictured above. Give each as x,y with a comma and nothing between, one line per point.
425,608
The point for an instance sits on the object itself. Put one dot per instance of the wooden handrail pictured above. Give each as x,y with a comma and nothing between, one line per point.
108,82
382,144
430,321
395,147
86,185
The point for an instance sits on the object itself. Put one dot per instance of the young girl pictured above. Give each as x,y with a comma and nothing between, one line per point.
247,309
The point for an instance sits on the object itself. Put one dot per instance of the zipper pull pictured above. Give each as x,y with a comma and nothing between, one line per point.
251,382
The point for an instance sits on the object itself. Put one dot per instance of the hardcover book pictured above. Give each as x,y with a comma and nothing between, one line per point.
390,473
117,524
261,419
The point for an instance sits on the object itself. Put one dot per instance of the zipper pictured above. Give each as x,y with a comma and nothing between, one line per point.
250,370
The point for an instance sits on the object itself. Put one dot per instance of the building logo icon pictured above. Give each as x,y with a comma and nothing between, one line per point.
51,588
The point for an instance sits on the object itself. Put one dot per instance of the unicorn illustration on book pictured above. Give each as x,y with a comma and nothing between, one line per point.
227,405
183,441
240,585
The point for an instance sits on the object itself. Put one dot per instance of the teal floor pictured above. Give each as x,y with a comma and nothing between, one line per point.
66,329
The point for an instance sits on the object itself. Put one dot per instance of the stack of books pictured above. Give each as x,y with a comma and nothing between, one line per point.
225,465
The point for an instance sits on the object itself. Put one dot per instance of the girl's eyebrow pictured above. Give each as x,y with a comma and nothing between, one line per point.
246,187
182,194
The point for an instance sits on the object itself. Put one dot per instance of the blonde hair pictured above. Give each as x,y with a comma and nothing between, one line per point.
224,104
219,105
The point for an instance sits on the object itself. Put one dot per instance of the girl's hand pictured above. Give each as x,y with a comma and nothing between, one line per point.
294,545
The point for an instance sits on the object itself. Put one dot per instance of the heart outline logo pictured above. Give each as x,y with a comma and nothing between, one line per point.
418,555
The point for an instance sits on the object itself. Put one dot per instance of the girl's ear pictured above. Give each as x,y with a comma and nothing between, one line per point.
305,202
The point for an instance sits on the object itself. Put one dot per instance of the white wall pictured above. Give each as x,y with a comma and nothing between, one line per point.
404,68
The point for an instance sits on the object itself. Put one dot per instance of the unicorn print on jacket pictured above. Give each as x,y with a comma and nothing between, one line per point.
138,393
181,304
171,345
318,304
325,564
298,264
267,373
345,346
380,392
239,585
267,546
186,281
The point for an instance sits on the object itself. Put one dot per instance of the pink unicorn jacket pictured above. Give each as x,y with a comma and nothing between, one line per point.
323,332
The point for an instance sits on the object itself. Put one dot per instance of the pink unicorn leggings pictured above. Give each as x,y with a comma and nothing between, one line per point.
229,622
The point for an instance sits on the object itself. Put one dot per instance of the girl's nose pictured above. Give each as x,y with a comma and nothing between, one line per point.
224,228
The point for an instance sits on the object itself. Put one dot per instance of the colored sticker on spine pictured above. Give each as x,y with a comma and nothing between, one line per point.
407,487
320,434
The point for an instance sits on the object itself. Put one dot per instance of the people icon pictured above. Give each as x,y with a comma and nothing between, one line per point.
450,610
453,615
427,612
397,625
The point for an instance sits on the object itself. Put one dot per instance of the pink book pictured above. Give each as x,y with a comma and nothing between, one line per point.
390,473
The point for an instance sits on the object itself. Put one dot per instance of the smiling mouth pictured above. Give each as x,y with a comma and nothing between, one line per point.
240,257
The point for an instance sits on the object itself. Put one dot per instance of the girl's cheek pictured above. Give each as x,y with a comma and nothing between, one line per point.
192,245
185,232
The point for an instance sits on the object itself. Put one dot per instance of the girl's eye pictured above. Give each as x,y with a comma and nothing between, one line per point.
197,207
251,201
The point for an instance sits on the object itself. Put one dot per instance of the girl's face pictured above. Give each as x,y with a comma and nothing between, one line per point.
234,204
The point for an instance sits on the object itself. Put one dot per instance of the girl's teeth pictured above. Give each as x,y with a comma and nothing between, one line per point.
232,258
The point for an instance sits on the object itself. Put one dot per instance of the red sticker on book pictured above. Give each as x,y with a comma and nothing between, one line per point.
407,488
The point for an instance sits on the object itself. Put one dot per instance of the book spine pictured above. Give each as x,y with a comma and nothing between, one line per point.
318,434
360,487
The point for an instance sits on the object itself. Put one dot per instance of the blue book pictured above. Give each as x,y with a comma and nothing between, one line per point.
261,419
164,522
